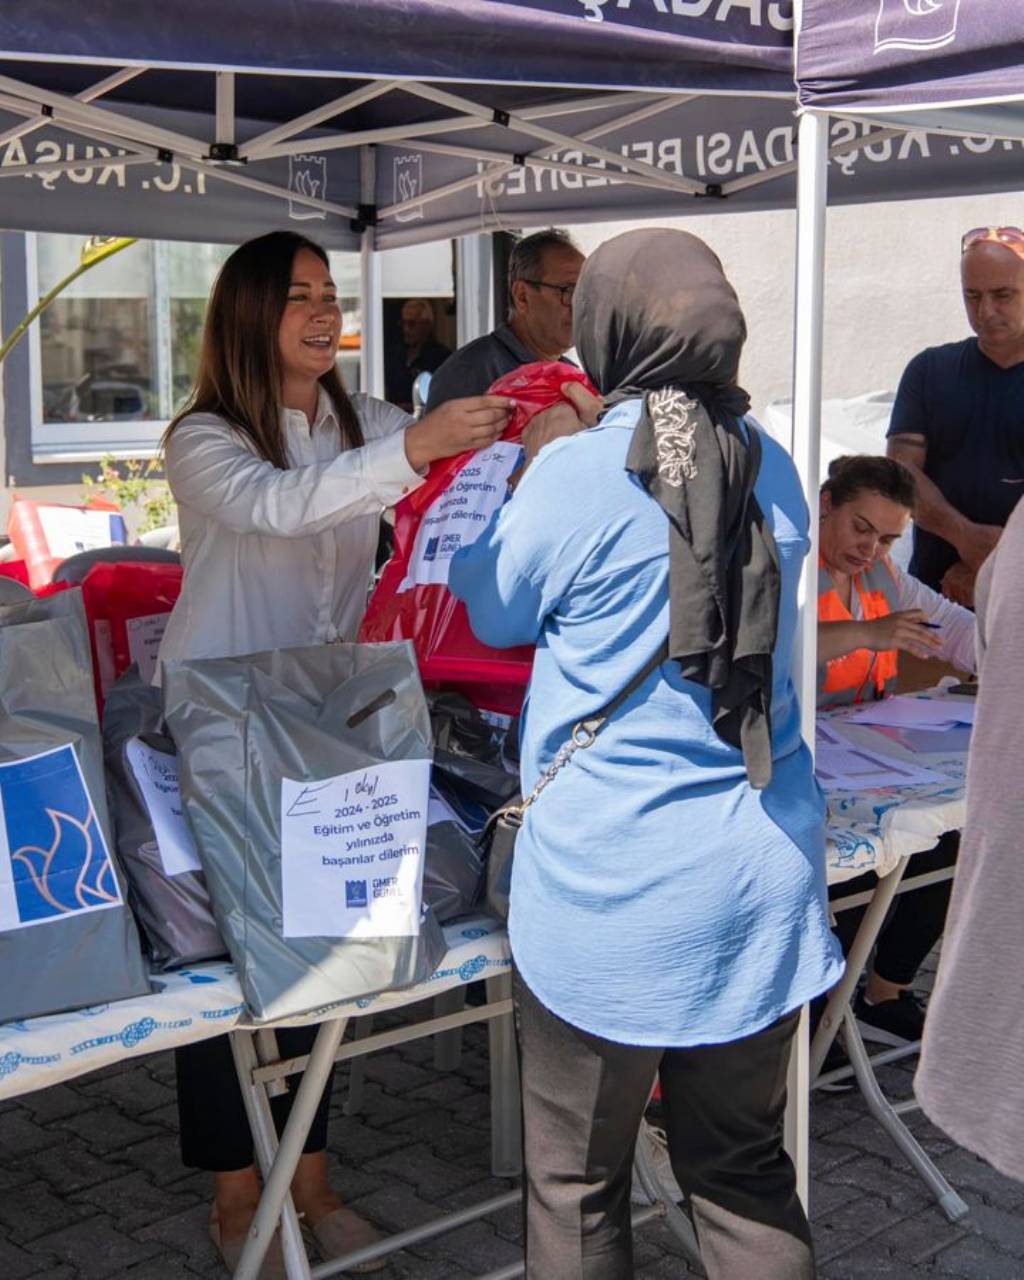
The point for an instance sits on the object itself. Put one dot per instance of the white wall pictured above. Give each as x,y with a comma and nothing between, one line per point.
892,285
892,288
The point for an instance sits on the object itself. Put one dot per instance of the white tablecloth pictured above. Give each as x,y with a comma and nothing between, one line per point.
194,1004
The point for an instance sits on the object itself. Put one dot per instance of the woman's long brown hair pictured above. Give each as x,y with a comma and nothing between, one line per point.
239,376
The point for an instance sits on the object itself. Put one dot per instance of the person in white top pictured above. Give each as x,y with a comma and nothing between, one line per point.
280,479
869,610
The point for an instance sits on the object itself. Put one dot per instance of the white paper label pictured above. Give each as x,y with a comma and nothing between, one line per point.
156,772
144,636
457,517
68,530
54,860
352,852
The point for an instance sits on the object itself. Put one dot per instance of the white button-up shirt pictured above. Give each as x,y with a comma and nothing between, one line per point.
275,558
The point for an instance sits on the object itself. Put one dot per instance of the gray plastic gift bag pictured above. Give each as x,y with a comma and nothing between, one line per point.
67,939
166,886
305,776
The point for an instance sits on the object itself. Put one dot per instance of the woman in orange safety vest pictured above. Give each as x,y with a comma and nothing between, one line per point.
868,610
868,607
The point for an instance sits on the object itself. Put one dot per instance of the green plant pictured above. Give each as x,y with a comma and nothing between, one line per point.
136,487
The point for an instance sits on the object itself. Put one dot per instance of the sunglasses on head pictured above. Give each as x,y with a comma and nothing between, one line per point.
1011,237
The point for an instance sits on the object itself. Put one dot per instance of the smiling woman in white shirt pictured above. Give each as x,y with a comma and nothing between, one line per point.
280,479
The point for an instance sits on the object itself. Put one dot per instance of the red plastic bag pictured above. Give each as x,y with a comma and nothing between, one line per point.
449,511
128,605
45,534
16,569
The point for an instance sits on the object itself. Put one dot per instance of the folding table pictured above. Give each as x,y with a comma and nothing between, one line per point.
881,831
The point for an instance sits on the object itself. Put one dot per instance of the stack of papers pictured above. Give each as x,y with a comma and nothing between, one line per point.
841,765
902,712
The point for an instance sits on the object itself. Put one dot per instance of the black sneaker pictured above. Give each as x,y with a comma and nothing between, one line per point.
892,1022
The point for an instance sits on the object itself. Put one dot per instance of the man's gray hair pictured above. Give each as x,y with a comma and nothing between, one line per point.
524,261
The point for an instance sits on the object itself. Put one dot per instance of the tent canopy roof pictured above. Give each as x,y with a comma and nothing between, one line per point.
953,65
728,45
425,119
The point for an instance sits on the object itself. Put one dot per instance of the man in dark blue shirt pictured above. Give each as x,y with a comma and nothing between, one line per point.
958,420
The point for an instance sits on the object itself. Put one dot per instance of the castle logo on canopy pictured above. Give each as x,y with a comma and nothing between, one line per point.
915,24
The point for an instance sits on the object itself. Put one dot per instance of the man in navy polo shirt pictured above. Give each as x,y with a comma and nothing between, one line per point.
958,420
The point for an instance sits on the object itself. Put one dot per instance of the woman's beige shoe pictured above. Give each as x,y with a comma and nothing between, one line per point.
231,1251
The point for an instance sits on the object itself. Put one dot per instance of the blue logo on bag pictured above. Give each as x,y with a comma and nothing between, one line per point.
431,549
59,859
355,893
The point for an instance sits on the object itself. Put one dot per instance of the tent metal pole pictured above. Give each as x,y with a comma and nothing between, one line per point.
805,446
28,98
366,137
229,175
499,166
266,145
617,100
588,135
520,125
371,358
256,147
236,179
126,145
807,361
225,107
87,95
65,166
537,158
790,166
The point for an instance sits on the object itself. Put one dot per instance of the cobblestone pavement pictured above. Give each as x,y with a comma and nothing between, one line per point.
91,1186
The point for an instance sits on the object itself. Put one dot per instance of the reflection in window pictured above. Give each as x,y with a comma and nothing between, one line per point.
121,343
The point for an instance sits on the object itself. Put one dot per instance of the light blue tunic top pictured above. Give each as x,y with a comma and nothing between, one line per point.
657,899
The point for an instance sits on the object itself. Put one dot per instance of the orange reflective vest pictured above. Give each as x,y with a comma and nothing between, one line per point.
863,674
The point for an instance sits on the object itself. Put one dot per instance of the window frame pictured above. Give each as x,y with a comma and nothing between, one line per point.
37,452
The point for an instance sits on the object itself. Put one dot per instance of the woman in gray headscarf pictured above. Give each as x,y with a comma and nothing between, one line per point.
668,893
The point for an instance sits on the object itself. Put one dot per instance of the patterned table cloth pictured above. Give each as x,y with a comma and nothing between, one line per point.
204,1001
873,830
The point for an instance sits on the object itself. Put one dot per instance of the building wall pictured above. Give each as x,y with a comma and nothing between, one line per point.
892,285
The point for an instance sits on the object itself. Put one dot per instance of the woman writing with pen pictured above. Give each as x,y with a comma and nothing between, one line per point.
869,609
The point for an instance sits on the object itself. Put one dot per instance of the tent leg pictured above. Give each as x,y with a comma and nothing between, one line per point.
812,196
797,1125
506,1104
371,368
807,354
